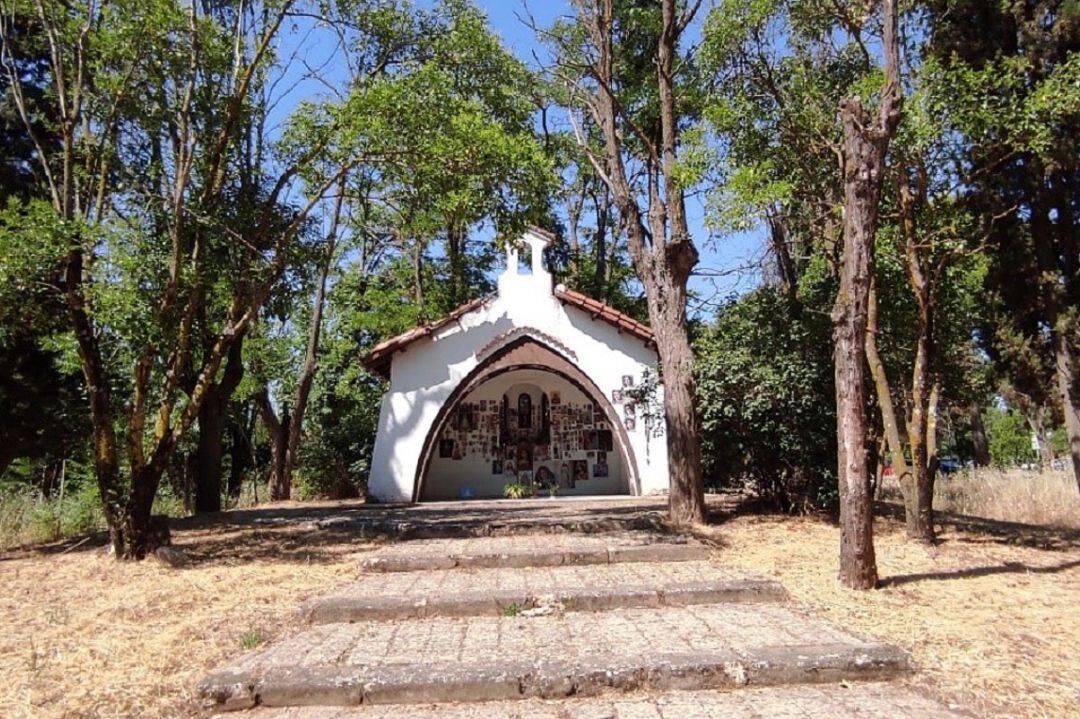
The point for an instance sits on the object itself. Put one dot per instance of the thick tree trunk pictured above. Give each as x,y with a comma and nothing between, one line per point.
980,446
686,497
209,452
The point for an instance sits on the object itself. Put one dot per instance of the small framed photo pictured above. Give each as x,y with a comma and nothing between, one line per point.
630,423
627,381
446,448
630,408
556,398
617,396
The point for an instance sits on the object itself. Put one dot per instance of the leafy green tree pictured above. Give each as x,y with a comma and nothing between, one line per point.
764,394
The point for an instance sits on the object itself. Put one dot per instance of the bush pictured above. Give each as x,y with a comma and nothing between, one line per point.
1009,438
765,398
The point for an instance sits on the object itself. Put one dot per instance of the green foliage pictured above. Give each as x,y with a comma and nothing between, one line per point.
518,490
766,403
1009,437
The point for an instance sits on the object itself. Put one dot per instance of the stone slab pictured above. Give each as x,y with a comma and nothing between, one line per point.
818,701
698,646
360,607
478,681
534,553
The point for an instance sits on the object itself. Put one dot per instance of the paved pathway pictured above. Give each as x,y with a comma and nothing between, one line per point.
455,642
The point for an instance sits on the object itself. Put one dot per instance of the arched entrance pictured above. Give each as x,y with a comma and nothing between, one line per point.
526,412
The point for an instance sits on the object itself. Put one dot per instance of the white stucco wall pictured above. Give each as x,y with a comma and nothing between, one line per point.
427,372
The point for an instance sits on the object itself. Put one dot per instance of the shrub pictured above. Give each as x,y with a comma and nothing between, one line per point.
1009,438
765,398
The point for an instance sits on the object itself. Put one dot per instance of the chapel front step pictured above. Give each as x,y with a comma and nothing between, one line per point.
849,701
534,551
573,588
498,658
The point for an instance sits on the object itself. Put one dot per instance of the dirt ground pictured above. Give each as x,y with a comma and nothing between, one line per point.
989,614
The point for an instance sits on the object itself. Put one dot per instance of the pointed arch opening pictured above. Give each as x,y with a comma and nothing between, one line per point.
531,413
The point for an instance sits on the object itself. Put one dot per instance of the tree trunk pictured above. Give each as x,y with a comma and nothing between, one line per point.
209,452
212,417
980,446
919,517
278,486
890,425
664,255
1053,297
865,142
311,357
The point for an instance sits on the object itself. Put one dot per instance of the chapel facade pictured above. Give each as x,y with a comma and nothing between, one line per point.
534,384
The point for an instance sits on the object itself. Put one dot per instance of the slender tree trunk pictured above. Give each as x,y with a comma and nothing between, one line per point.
278,485
980,446
1054,295
890,425
919,519
865,142
212,418
311,357
603,209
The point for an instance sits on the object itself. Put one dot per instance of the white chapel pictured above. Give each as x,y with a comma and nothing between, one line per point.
534,384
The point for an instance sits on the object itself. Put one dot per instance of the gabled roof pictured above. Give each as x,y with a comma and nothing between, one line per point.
599,311
378,360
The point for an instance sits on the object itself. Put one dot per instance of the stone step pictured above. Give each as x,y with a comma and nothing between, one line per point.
818,701
465,592
496,658
536,552
354,608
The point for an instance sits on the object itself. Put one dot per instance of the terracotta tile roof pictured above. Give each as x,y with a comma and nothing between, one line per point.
607,313
378,360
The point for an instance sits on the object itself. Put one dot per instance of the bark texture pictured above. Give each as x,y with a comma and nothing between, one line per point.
661,249
866,139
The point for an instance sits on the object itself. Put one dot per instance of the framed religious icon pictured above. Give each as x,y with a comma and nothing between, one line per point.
579,470
446,448
600,469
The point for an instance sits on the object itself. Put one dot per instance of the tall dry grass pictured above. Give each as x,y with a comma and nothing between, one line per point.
1045,498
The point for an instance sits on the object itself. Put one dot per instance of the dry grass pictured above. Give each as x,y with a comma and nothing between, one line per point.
990,614
84,636
1046,498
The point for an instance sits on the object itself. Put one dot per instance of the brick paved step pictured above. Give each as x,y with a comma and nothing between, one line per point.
354,608
533,552
819,701
494,658
465,592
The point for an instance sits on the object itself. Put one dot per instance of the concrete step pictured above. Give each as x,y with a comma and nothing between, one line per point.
819,701
469,592
531,551
499,658
355,608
